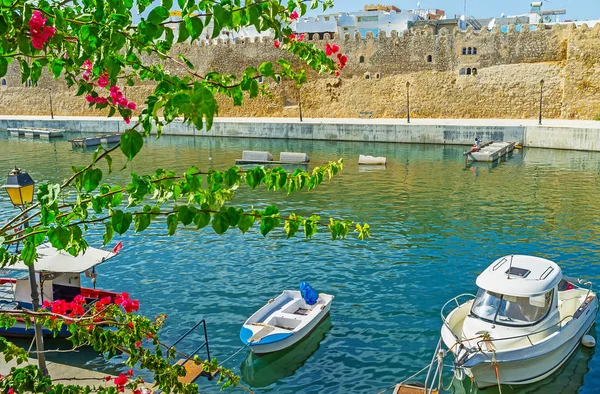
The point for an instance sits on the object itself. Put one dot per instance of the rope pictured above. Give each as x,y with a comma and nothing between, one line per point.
230,357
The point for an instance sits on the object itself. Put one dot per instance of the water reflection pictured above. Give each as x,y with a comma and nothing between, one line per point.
268,369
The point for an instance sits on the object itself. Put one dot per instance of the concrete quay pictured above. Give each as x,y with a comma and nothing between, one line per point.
553,134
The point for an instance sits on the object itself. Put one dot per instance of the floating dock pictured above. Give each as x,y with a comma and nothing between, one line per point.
263,157
36,132
96,140
490,151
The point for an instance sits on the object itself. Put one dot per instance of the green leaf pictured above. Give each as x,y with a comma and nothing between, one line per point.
186,214
57,67
194,27
59,237
234,215
201,220
3,25
158,15
220,223
292,225
91,179
3,66
121,221
183,33
109,234
246,222
131,143
141,222
172,223
28,253
269,220
266,69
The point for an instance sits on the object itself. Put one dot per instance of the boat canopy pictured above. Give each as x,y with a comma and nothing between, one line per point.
520,276
51,259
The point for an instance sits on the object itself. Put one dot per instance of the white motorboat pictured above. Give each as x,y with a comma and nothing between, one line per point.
524,323
284,321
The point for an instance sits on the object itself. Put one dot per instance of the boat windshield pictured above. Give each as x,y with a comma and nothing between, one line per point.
509,310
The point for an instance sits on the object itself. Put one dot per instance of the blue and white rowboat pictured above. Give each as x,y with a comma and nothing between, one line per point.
283,321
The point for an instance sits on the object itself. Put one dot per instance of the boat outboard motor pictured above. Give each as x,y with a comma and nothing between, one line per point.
309,295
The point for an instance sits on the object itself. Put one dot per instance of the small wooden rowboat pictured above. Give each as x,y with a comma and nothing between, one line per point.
283,321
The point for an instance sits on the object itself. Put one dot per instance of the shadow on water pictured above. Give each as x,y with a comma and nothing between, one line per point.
567,380
268,369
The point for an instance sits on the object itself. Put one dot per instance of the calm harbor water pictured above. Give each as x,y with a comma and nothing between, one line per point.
436,225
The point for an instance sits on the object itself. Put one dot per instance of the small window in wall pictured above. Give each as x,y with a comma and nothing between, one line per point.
3,82
260,79
469,71
361,59
464,51
429,58
470,51
474,71
474,51
378,76
462,71
278,78
367,76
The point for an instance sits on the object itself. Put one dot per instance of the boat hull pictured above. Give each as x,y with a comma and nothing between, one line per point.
261,350
532,364
20,330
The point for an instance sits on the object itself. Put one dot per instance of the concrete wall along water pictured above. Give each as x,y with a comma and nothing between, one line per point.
505,84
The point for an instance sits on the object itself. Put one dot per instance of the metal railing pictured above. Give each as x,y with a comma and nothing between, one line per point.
204,344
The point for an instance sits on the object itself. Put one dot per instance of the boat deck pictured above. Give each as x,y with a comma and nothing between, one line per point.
36,132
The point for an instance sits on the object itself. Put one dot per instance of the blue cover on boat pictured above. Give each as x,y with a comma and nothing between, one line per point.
308,293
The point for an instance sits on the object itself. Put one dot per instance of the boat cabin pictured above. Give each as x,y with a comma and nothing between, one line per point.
516,291
58,276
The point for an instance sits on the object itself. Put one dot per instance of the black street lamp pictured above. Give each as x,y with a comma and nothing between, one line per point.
51,109
541,98
300,103
407,102
20,187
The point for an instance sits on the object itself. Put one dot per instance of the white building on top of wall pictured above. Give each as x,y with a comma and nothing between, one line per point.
373,19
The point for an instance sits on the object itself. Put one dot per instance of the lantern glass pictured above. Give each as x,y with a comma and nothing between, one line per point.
20,187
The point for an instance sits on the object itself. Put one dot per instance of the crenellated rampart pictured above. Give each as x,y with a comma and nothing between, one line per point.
488,74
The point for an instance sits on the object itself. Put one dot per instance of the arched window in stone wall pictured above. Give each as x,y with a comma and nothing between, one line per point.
464,51
278,78
361,59
429,58
474,51
378,76
469,51
469,71
367,76
3,83
474,71
462,71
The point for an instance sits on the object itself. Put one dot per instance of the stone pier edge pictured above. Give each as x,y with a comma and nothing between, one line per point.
570,135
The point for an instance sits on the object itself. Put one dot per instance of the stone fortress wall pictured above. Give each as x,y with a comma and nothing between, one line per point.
452,75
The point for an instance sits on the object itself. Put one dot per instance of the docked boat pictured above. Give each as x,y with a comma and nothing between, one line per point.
96,140
58,276
285,320
524,323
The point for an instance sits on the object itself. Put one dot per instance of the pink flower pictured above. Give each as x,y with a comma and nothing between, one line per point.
328,50
138,344
301,37
11,391
335,48
105,301
131,105
103,80
294,15
127,121
130,372
121,380
87,65
79,298
40,33
90,99
292,36
337,73
86,76
108,378
277,44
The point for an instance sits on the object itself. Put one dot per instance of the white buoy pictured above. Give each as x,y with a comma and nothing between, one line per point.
588,341
370,160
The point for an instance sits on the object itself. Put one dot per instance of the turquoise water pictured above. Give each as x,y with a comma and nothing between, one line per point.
436,225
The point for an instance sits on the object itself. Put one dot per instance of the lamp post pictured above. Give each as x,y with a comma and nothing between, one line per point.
541,98
20,187
407,102
300,102
51,109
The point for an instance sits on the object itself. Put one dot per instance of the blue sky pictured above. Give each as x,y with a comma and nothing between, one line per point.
576,9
